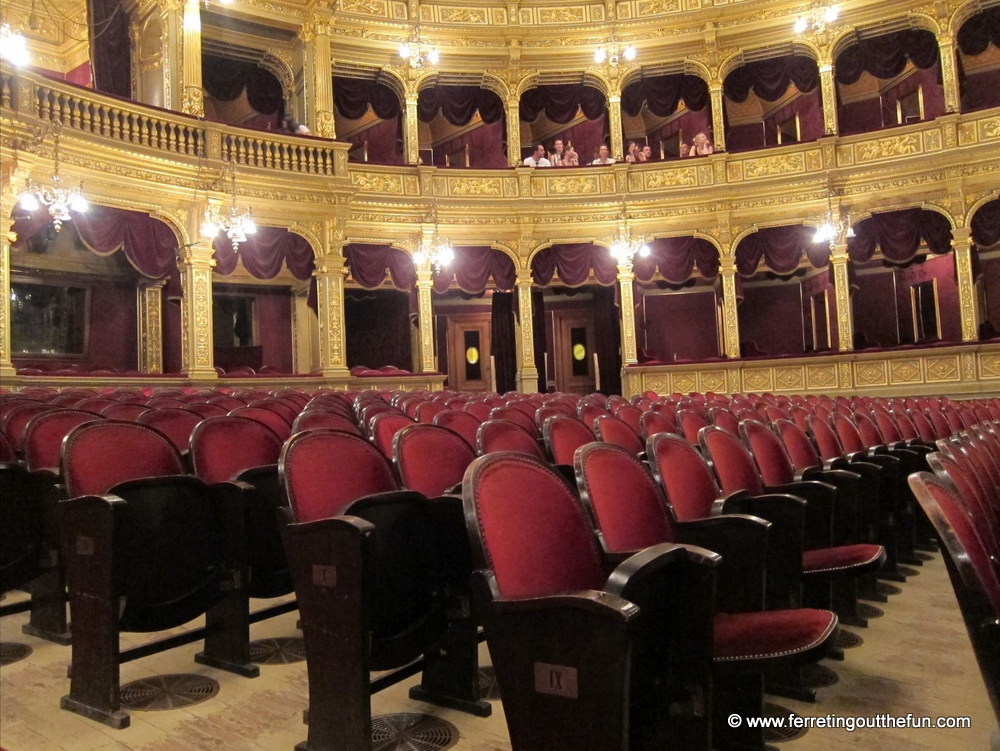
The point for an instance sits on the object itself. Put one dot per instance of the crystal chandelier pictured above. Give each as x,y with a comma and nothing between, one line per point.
235,223
624,249
56,199
416,54
614,54
13,46
833,228
816,22
438,251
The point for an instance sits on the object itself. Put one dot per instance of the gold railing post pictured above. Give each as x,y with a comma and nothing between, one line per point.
6,366
828,92
330,272
949,73
513,130
718,123
617,144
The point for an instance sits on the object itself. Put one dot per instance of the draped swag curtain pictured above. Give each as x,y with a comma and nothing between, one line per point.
980,89
473,268
986,224
781,249
459,104
352,96
676,258
886,56
225,79
110,47
149,244
502,341
769,79
661,94
574,262
560,103
899,234
264,253
980,31
369,265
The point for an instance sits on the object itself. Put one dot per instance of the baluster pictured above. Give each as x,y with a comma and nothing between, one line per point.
87,119
44,106
74,114
310,160
144,131
172,129
5,92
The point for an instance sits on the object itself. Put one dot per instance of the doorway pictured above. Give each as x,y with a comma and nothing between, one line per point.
573,346
469,352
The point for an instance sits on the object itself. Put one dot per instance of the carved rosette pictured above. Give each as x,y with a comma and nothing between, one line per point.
842,292
968,310
630,354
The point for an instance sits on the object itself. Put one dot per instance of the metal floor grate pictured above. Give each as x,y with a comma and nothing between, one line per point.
887,589
11,652
160,692
280,651
412,732
780,735
869,611
819,676
848,640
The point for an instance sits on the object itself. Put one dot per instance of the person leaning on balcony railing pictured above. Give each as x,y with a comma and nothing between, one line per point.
701,146
538,158
289,125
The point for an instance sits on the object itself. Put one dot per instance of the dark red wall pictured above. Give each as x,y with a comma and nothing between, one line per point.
771,317
113,339
680,326
274,327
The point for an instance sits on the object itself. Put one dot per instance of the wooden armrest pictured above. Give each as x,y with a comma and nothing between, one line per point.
820,499
741,540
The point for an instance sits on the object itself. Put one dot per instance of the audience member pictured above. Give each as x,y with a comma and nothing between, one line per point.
558,156
572,159
538,158
633,153
701,146
603,156
289,125
646,153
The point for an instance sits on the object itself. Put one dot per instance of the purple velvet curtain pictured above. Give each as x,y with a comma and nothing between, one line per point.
986,224
898,234
676,258
110,47
377,325
264,253
538,338
149,244
574,264
980,31
769,78
781,248
607,339
458,104
351,97
225,79
370,263
473,268
885,56
661,94
560,103
502,341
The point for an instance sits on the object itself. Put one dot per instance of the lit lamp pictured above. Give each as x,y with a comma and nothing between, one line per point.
56,199
13,46
438,251
624,250
830,231
414,52
816,22
235,223
614,54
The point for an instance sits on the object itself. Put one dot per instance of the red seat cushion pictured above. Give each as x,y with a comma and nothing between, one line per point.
772,633
857,558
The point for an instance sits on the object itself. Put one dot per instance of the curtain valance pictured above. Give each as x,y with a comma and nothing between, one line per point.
769,79
369,265
898,234
459,104
781,249
676,259
574,263
560,103
885,56
661,94
473,268
265,252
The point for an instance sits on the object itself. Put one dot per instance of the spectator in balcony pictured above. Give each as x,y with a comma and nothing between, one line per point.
558,156
633,153
289,125
646,153
701,146
603,156
572,159
538,158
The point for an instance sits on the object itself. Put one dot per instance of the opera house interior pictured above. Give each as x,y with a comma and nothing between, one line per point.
249,247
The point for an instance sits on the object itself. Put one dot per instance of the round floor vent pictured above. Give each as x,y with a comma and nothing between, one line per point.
907,571
412,732
11,652
819,676
886,589
780,735
848,640
869,611
280,651
159,692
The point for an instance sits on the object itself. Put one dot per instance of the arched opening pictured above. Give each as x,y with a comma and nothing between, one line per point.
461,126
367,115
241,92
665,113
979,61
576,114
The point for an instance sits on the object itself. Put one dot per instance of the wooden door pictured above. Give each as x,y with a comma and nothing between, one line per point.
469,352
574,351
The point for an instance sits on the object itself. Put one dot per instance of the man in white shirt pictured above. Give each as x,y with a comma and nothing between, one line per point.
538,158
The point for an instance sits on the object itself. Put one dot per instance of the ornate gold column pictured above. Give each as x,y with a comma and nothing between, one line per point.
718,123
6,366
193,101
630,354
828,93
527,372
150,307
197,345
615,124
967,307
172,52
949,74
305,331
842,293
513,130
425,314
319,75
730,320
330,272
411,142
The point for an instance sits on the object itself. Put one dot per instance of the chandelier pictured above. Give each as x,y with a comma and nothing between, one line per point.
56,199
235,223
816,22
416,53
13,46
624,249
614,53
437,251
833,229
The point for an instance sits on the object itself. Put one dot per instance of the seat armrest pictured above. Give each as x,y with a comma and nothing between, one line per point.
847,506
820,499
741,540
86,536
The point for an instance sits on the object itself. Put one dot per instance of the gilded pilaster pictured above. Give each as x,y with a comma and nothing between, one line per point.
6,366
527,372
319,75
718,123
513,130
730,319
330,272
967,307
193,102
197,347
842,293
630,354
949,74
411,143
425,316
615,124
172,20
828,92
150,312
305,332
